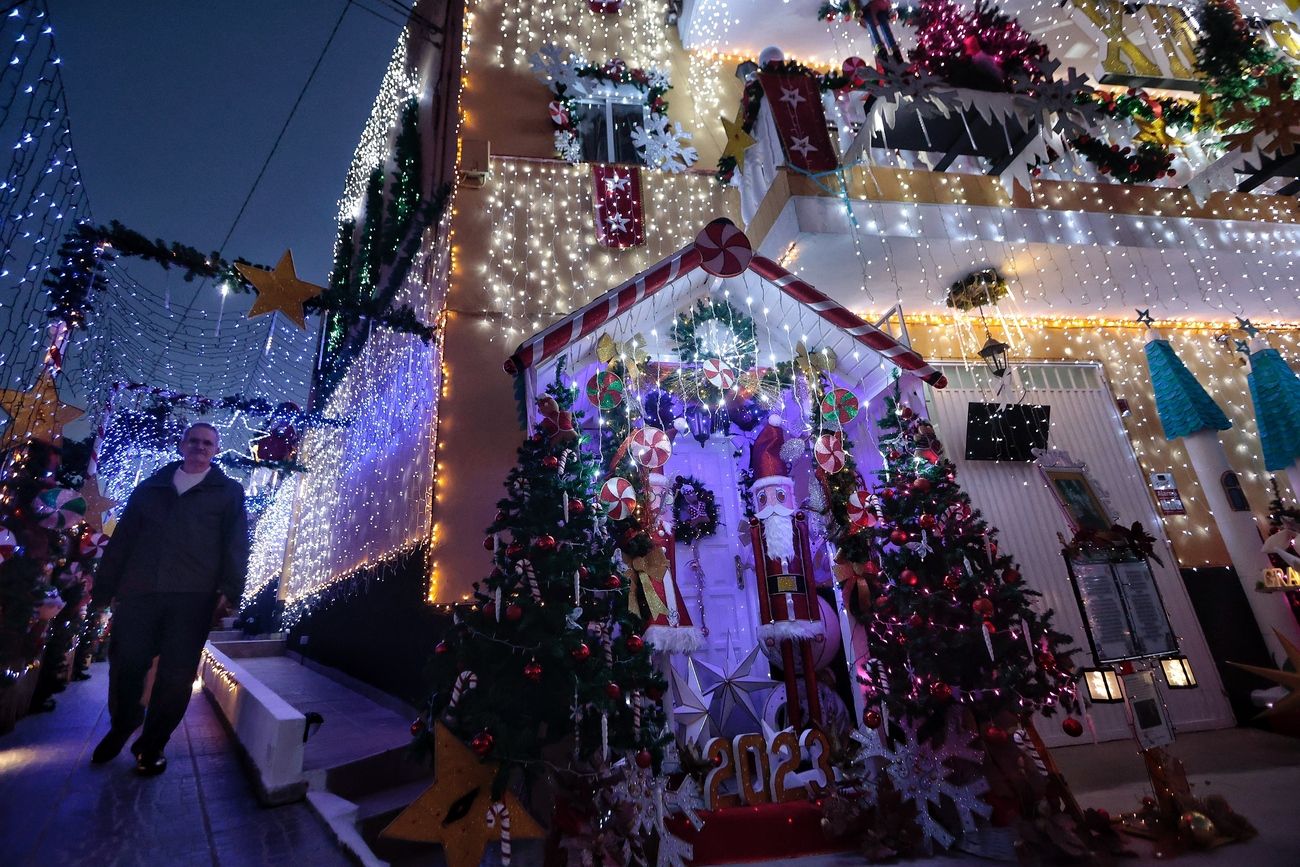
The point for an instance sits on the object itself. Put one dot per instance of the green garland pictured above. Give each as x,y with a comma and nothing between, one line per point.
977,289
1143,164
684,332
613,72
685,531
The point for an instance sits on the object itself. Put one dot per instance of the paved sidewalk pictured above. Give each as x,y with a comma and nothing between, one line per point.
59,809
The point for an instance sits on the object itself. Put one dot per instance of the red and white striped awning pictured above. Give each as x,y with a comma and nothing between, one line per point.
721,250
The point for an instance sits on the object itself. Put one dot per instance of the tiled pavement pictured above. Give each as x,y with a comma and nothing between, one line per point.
58,809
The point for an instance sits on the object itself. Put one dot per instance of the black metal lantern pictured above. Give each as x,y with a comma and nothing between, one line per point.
994,353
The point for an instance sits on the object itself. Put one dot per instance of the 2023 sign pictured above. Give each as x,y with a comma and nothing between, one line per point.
766,772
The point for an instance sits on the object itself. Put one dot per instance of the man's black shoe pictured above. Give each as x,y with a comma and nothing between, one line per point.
110,746
148,764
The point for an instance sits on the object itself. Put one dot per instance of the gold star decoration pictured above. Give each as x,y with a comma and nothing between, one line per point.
453,811
1289,679
37,413
1156,132
97,505
738,141
279,290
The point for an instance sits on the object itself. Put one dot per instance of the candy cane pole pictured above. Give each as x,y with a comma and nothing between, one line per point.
499,812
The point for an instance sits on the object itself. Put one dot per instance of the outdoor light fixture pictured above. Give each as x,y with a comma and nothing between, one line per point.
1178,672
1103,685
994,354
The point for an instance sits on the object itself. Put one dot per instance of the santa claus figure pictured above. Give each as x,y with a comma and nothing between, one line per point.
669,624
787,598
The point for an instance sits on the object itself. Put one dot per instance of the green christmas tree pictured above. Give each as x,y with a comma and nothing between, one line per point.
1232,57
949,621
549,653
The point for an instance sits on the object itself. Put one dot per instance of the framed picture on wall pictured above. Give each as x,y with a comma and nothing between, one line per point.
1078,499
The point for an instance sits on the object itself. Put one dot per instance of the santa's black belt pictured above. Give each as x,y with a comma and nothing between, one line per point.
785,584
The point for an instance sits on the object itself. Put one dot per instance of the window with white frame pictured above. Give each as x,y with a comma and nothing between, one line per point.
605,128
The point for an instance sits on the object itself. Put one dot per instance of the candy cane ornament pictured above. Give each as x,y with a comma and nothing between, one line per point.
499,813
465,681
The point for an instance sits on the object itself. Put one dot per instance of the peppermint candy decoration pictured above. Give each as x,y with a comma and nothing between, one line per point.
619,498
651,447
724,249
719,374
8,544
840,406
605,390
559,114
854,69
829,452
59,508
862,508
93,545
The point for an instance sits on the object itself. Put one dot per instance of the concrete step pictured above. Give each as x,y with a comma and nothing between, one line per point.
376,774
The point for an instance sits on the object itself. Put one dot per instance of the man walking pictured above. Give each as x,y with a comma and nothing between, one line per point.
179,550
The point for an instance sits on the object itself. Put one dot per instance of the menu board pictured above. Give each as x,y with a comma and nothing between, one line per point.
1122,610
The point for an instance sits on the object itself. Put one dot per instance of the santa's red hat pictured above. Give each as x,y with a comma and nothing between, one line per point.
765,456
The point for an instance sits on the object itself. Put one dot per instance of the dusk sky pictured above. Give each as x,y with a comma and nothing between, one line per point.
174,107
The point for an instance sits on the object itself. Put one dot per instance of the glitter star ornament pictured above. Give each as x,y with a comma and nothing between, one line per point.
453,811
279,290
36,413
738,141
690,708
97,505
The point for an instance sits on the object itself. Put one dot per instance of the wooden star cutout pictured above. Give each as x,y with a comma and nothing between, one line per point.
279,290
37,413
1289,679
453,811
738,141
97,505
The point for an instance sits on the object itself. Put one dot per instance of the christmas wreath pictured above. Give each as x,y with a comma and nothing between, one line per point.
715,329
977,289
695,510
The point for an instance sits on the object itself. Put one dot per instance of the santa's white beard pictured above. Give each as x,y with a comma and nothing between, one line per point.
778,537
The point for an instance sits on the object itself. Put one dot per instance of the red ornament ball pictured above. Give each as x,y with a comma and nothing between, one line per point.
940,691
501,515
915,621
490,611
577,507
417,727
921,484
533,671
545,543
1072,727
1010,576
635,644
894,454
644,759
482,743
952,582
872,719
906,412
898,537
995,735
655,692
926,521
550,462
580,653
909,578
871,567
514,612
882,601
583,572
489,543
989,627
983,607
1046,661
614,691
440,648
613,582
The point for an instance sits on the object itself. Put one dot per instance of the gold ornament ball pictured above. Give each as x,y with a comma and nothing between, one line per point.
1198,826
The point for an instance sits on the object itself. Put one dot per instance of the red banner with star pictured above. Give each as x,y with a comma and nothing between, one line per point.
620,222
796,103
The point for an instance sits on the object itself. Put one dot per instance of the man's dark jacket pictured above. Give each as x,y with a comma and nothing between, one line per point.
165,542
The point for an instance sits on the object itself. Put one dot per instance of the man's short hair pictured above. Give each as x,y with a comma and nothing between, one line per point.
215,433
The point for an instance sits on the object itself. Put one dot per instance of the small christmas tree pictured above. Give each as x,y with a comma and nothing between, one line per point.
949,621
1231,56
981,48
549,653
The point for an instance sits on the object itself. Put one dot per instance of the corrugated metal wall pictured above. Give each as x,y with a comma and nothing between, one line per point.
1016,500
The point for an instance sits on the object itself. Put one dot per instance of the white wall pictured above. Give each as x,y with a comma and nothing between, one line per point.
1015,499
